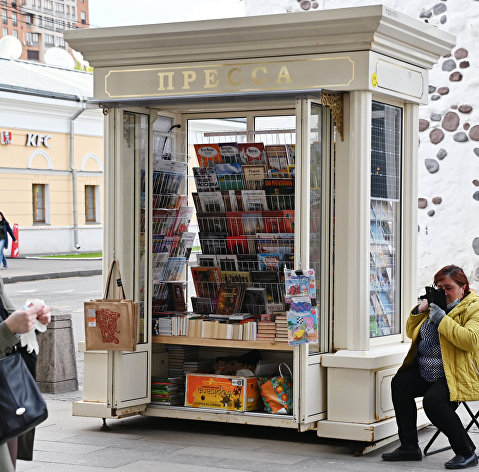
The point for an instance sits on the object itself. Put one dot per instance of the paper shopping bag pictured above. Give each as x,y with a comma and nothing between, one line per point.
111,323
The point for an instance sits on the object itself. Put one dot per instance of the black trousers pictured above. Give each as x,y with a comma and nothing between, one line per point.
406,386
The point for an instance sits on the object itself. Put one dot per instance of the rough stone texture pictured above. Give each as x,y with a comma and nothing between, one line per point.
464,64
431,165
431,213
476,151
435,117
460,53
423,125
451,121
421,203
443,90
441,154
475,196
455,77
435,97
431,89
449,65
475,245
465,108
439,8
466,126
461,137
436,136
56,364
474,133
443,19
475,182
437,200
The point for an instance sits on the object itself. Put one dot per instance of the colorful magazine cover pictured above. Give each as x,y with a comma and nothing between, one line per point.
302,327
208,154
270,261
230,153
230,176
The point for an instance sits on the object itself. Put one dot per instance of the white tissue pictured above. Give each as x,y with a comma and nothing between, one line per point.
30,339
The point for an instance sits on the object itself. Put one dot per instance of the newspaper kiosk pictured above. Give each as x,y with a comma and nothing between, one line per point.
340,87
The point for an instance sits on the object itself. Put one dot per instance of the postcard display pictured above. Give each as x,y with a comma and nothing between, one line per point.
244,204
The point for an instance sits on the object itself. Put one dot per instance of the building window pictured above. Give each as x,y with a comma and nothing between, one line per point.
5,31
14,19
38,203
33,55
4,3
49,40
48,5
83,17
48,22
59,7
91,200
4,17
28,19
60,42
15,33
73,11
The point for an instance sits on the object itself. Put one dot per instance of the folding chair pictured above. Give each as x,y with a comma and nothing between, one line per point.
436,434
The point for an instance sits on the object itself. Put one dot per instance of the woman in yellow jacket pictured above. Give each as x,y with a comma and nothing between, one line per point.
442,367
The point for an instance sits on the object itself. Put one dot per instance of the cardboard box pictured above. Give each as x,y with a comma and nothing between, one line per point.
223,392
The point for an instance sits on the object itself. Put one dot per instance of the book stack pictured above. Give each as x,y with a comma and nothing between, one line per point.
167,390
177,356
162,326
281,325
197,366
266,331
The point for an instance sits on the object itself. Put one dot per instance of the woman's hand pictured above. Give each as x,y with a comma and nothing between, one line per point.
44,315
22,321
423,306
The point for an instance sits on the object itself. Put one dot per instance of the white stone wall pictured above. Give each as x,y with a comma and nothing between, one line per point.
448,205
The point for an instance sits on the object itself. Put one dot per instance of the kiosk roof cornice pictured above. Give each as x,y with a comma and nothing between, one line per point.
376,28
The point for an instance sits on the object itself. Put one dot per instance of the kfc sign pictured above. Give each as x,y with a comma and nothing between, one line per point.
5,137
38,140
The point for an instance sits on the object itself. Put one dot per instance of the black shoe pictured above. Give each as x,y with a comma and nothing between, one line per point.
404,453
461,462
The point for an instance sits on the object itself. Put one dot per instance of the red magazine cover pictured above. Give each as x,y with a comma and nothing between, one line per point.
288,218
274,222
235,223
251,153
237,244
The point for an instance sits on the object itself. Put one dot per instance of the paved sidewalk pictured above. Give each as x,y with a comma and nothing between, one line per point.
26,269
142,444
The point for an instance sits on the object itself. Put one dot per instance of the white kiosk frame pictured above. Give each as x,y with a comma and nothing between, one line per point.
342,60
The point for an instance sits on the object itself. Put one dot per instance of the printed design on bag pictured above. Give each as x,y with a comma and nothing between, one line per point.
107,321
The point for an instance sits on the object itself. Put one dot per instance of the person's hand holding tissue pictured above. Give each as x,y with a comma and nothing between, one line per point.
42,318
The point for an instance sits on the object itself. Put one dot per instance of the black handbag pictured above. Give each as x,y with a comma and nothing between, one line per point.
22,406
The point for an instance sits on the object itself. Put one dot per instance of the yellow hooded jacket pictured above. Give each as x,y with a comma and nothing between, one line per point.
459,339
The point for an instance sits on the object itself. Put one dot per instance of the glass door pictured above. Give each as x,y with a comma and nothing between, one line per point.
313,189
129,240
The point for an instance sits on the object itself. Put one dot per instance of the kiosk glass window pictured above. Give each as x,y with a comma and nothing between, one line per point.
385,219
135,150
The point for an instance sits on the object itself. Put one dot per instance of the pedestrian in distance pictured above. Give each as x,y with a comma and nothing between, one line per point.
5,230
13,323
442,367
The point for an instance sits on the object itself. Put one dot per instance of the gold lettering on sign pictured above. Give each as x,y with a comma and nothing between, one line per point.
188,77
211,78
254,75
234,83
169,76
284,75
